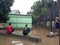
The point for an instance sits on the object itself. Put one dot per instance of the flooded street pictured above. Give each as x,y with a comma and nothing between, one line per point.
15,41
29,22
38,32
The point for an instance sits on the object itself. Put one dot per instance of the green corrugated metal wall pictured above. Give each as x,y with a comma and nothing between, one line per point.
19,21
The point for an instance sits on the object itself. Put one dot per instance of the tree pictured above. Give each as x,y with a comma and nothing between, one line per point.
39,9
29,12
36,8
5,9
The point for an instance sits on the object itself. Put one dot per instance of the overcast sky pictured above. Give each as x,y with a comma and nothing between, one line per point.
22,5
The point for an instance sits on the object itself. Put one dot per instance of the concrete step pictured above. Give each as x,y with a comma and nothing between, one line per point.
31,38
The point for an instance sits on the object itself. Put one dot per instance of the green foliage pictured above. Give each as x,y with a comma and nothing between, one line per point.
50,4
39,9
36,8
44,10
5,9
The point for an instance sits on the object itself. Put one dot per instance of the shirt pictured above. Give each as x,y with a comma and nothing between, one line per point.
56,19
9,28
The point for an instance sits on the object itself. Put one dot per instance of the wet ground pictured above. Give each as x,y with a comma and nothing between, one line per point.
15,41
38,32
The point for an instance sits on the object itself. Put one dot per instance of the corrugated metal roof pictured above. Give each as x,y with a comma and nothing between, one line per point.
14,12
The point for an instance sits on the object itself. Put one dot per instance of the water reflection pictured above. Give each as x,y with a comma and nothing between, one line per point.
17,42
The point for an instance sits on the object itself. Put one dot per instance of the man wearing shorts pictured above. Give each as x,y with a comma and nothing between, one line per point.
57,24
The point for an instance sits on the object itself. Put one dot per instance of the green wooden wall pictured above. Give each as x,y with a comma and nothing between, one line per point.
19,21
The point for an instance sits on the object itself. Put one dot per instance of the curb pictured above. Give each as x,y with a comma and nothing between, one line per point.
35,39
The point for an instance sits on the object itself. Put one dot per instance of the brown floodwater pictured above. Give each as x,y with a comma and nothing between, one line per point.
38,32
15,41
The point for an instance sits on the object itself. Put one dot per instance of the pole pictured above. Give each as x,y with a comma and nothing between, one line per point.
51,17
51,21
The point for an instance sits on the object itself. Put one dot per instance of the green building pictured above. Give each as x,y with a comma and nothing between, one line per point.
18,20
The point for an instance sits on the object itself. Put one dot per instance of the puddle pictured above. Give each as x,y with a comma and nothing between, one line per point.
13,42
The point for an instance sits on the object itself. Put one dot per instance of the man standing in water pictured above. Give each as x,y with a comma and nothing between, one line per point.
57,19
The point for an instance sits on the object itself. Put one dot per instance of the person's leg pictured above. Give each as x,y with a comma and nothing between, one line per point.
12,30
7,33
24,32
57,31
57,27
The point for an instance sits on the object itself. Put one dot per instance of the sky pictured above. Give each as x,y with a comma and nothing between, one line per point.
22,5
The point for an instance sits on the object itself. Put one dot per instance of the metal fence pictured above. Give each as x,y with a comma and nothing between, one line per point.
19,21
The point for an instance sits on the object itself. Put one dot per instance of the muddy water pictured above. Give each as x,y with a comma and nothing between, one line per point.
15,41
42,32
38,32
